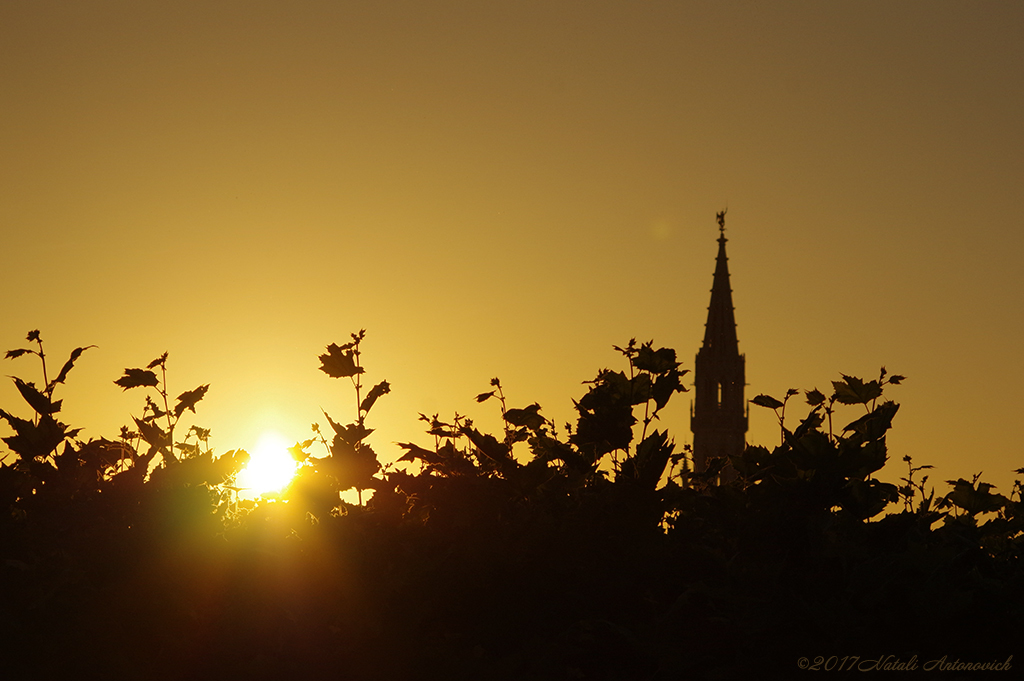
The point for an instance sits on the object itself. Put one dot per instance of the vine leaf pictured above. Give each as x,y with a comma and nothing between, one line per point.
528,417
162,359
134,378
37,400
187,400
154,435
767,401
75,354
853,390
382,388
815,397
339,362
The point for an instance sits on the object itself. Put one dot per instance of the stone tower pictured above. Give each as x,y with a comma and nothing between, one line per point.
718,416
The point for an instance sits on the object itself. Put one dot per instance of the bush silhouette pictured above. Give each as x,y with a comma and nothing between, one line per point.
594,552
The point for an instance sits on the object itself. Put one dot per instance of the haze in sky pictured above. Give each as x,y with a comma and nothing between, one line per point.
509,189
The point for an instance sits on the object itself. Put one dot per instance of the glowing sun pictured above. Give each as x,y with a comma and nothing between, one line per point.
270,468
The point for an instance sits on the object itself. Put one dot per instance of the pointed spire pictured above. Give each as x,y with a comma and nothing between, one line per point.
719,420
720,330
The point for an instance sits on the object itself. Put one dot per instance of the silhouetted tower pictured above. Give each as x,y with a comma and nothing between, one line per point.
718,416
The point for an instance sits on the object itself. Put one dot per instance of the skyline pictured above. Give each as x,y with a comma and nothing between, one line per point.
509,192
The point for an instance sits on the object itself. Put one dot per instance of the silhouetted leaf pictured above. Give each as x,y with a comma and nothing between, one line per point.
154,410
666,385
75,354
162,359
767,401
154,435
34,440
356,339
413,452
18,353
376,391
852,390
867,498
648,464
33,336
815,397
655,361
974,501
298,450
483,397
188,449
528,417
187,400
896,379
134,378
641,388
350,434
37,400
492,449
338,362
873,425
811,422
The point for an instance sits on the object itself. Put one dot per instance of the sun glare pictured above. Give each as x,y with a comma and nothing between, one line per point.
270,468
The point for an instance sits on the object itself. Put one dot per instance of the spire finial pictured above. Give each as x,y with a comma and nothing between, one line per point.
721,221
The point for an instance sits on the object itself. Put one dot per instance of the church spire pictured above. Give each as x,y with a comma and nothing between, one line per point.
719,419
720,330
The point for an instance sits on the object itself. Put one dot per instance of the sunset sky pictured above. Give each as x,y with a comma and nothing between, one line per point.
509,189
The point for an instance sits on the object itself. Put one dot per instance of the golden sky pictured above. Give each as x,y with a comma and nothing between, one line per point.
508,189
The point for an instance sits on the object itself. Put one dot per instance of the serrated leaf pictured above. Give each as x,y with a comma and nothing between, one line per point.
491,448
37,400
187,400
11,354
815,397
666,385
33,440
975,501
298,450
767,401
154,435
382,388
162,359
528,417
852,390
413,452
655,361
350,434
75,354
641,388
339,362
134,378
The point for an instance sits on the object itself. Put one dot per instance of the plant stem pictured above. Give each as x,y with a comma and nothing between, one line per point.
42,358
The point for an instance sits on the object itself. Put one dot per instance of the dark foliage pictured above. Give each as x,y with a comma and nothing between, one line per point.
526,554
